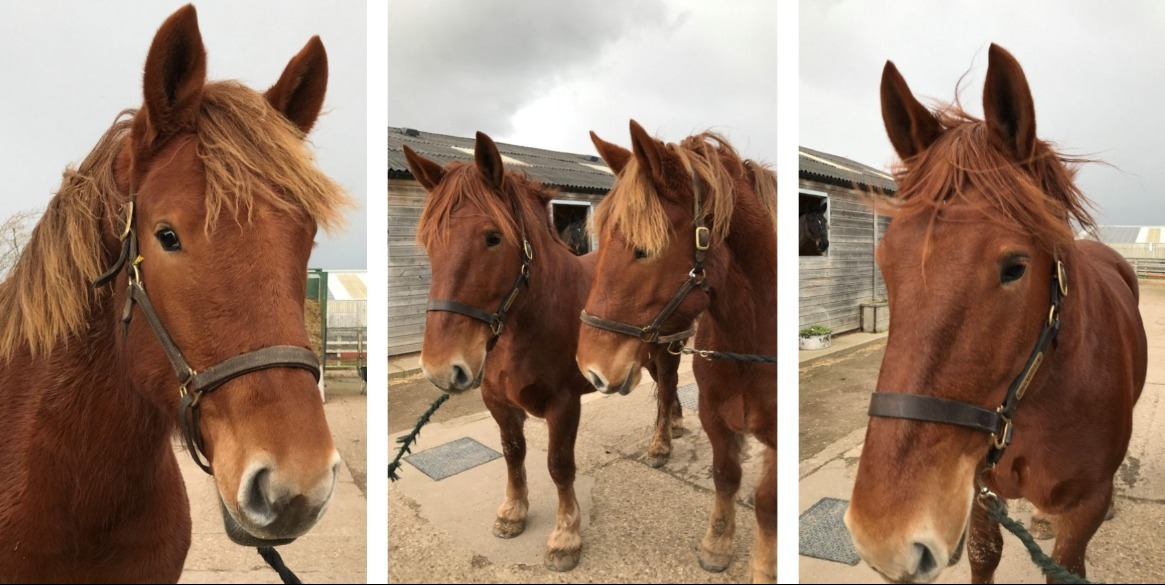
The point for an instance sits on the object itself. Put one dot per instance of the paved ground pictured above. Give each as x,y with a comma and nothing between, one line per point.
639,524
834,396
334,550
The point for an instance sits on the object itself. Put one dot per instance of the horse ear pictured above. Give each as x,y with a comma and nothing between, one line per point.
488,159
425,171
299,93
911,127
1007,104
647,151
614,155
174,75
823,207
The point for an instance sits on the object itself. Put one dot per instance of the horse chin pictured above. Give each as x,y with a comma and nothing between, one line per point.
240,536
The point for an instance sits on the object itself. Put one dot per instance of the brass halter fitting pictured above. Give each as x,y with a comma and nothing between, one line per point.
703,238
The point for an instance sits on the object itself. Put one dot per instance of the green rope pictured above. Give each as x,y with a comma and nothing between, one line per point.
997,512
407,440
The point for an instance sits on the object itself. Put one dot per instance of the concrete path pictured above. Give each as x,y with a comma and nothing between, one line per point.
638,524
332,552
1125,549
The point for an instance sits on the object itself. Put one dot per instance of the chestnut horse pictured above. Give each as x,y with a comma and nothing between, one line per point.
214,185
662,195
491,242
982,266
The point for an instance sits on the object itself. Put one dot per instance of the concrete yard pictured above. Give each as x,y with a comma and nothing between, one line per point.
834,395
638,524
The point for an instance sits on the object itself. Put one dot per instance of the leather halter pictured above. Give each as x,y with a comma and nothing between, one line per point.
696,276
496,319
996,422
193,384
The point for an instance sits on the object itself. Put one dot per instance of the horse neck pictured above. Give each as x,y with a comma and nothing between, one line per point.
745,282
80,396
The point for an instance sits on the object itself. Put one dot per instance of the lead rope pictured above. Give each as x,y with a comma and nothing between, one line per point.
997,512
275,561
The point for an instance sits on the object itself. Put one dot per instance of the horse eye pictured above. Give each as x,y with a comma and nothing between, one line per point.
1012,273
169,240
492,239
640,254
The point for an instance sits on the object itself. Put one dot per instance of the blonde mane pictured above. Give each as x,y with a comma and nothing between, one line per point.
633,205
249,153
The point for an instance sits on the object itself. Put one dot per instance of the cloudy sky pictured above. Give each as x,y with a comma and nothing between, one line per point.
545,73
1096,71
70,67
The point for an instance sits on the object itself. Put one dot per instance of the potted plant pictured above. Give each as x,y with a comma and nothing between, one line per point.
816,337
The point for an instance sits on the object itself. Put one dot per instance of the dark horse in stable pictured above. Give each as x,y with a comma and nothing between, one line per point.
1001,316
212,187
693,224
491,243
813,229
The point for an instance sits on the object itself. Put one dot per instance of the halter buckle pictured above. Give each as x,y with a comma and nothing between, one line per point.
496,328
1003,438
1060,279
703,238
137,275
528,249
648,335
1051,315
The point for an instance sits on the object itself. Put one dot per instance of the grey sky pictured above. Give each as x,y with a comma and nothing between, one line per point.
544,73
1096,71
70,67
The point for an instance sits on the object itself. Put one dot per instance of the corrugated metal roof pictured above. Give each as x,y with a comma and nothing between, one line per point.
1128,234
570,172
819,166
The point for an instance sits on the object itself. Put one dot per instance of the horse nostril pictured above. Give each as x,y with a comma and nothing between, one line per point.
258,502
461,377
926,561
596,380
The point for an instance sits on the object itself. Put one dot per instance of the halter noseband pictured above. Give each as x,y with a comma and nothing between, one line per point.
193,385
996,422
696,276
496,319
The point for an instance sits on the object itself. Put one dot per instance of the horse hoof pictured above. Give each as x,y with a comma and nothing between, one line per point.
1041,528
714,563
1111,513
562,560
508,528
657,461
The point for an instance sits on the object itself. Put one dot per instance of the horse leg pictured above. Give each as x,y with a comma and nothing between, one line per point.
564,546
1075,528
663,371
511,520
716,548
764,546
984,546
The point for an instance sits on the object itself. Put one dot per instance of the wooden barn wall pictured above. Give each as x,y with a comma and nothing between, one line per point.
833,287
408,266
